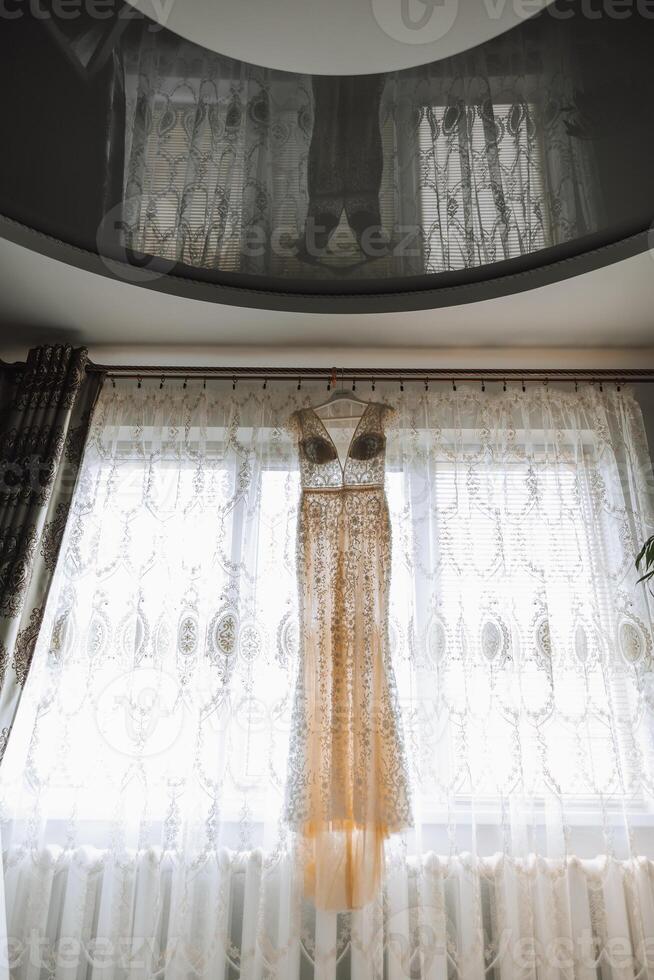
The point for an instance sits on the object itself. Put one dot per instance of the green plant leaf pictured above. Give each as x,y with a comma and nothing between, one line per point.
646,559
646,552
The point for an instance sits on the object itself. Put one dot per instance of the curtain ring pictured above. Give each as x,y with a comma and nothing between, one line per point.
483,385
161,382
354,384
184,385
426,384
138,382
504,385
524,388
401,385
299,384
265,383
576,385
113,382
372,383
453,385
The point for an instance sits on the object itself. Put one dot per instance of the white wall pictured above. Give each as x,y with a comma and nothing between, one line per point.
314,355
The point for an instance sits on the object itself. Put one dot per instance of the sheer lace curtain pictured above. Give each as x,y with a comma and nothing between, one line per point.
143,786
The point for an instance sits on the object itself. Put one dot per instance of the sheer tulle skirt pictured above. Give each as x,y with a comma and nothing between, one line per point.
347,784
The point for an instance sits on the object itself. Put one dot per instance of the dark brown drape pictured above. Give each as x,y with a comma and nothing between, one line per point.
45,410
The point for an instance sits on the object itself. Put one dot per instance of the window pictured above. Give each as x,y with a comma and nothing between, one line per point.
181,643
512,655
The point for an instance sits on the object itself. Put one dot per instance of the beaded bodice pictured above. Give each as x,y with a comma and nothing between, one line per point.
363,462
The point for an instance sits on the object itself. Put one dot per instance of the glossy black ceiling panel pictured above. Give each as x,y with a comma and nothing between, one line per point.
185,170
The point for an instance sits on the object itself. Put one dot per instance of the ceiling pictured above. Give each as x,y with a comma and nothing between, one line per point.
342,37
44,299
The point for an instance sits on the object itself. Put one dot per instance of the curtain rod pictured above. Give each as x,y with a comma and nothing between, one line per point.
367,374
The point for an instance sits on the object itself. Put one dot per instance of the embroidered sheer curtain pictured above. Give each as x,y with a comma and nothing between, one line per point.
143,786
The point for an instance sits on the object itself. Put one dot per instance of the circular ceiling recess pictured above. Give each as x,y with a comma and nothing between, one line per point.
342,37
202,173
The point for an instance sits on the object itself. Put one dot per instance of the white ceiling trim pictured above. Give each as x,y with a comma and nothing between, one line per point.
43,299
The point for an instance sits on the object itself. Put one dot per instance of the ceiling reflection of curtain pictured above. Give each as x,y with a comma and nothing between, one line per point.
480,161
143,785
215,154
484,164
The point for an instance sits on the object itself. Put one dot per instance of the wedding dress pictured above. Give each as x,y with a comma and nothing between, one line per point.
347,786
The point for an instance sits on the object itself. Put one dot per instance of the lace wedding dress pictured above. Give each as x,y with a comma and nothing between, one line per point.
347,784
